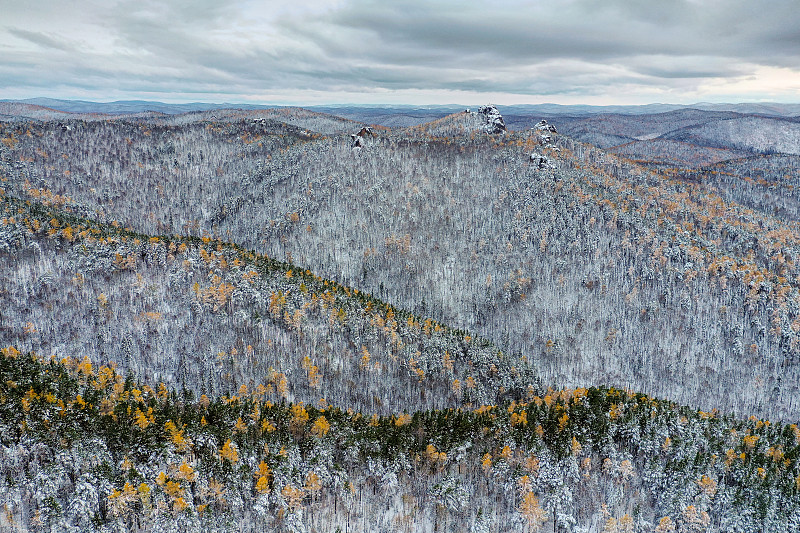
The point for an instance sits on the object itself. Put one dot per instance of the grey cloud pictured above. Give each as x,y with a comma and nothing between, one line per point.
41,39
521,47
688,67
653,41
587,30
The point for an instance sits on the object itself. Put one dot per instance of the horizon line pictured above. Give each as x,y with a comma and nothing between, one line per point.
384,104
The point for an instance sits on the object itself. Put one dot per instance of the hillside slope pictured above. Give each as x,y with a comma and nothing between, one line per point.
82,446
156,377
209,317
768,183
640,127
756,134
688,138
596,270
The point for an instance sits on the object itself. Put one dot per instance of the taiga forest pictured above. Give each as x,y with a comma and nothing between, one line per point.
354,319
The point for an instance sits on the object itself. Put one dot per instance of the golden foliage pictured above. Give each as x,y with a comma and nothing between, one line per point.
229,452
402,420
321,427
313,483
293,496
665,525
707,486
299,416
187,473
486,462
530,510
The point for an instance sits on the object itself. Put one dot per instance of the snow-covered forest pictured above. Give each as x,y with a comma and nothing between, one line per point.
250,320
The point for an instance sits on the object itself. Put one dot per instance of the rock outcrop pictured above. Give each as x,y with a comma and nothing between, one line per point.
541,161
494,120
543,130
357,139
544,127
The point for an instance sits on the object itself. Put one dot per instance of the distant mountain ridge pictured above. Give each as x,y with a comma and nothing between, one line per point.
431,111
123,107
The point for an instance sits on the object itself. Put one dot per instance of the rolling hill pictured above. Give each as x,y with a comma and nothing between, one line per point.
474,327
599,271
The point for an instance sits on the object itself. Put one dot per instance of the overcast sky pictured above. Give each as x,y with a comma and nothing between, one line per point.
402,51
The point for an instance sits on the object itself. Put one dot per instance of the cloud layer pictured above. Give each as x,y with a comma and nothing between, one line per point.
412,51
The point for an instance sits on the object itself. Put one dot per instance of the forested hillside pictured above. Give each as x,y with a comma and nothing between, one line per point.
596,270
758,134
766,183
84,448
669,154
684,138
640,127
473,325
207,316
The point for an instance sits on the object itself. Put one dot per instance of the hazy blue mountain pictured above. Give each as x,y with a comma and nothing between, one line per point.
122,107
412,113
